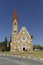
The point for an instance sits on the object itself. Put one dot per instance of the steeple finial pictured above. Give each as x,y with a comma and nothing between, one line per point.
15,15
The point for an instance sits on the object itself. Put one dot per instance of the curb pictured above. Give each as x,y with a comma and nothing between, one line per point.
34,58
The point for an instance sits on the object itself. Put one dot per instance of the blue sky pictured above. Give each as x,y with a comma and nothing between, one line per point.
30,15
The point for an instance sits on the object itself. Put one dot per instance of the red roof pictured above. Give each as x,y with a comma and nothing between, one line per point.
15,15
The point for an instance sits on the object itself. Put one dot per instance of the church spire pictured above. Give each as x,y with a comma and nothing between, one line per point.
15,15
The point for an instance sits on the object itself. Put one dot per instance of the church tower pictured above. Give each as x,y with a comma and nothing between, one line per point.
14,31
21,41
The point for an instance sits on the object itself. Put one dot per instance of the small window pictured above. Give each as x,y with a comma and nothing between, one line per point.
14,31
14,23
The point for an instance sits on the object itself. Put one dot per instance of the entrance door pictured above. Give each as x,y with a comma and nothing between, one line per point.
23,48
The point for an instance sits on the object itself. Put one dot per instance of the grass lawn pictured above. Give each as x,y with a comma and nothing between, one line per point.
38,54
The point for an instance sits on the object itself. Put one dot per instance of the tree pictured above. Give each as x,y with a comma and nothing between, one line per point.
8,45
1,46
37,47
5,43
10,39
10,42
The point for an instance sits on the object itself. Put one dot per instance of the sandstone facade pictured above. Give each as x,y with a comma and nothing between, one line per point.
21,41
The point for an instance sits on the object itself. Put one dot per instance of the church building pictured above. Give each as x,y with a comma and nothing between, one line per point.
21,40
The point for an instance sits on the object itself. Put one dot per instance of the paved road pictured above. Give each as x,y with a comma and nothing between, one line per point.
10,60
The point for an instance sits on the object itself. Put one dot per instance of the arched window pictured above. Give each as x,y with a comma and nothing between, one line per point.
15,23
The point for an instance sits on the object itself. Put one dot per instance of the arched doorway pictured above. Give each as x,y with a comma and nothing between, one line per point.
23,48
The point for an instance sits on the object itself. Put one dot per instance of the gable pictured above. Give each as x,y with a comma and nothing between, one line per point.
24,32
